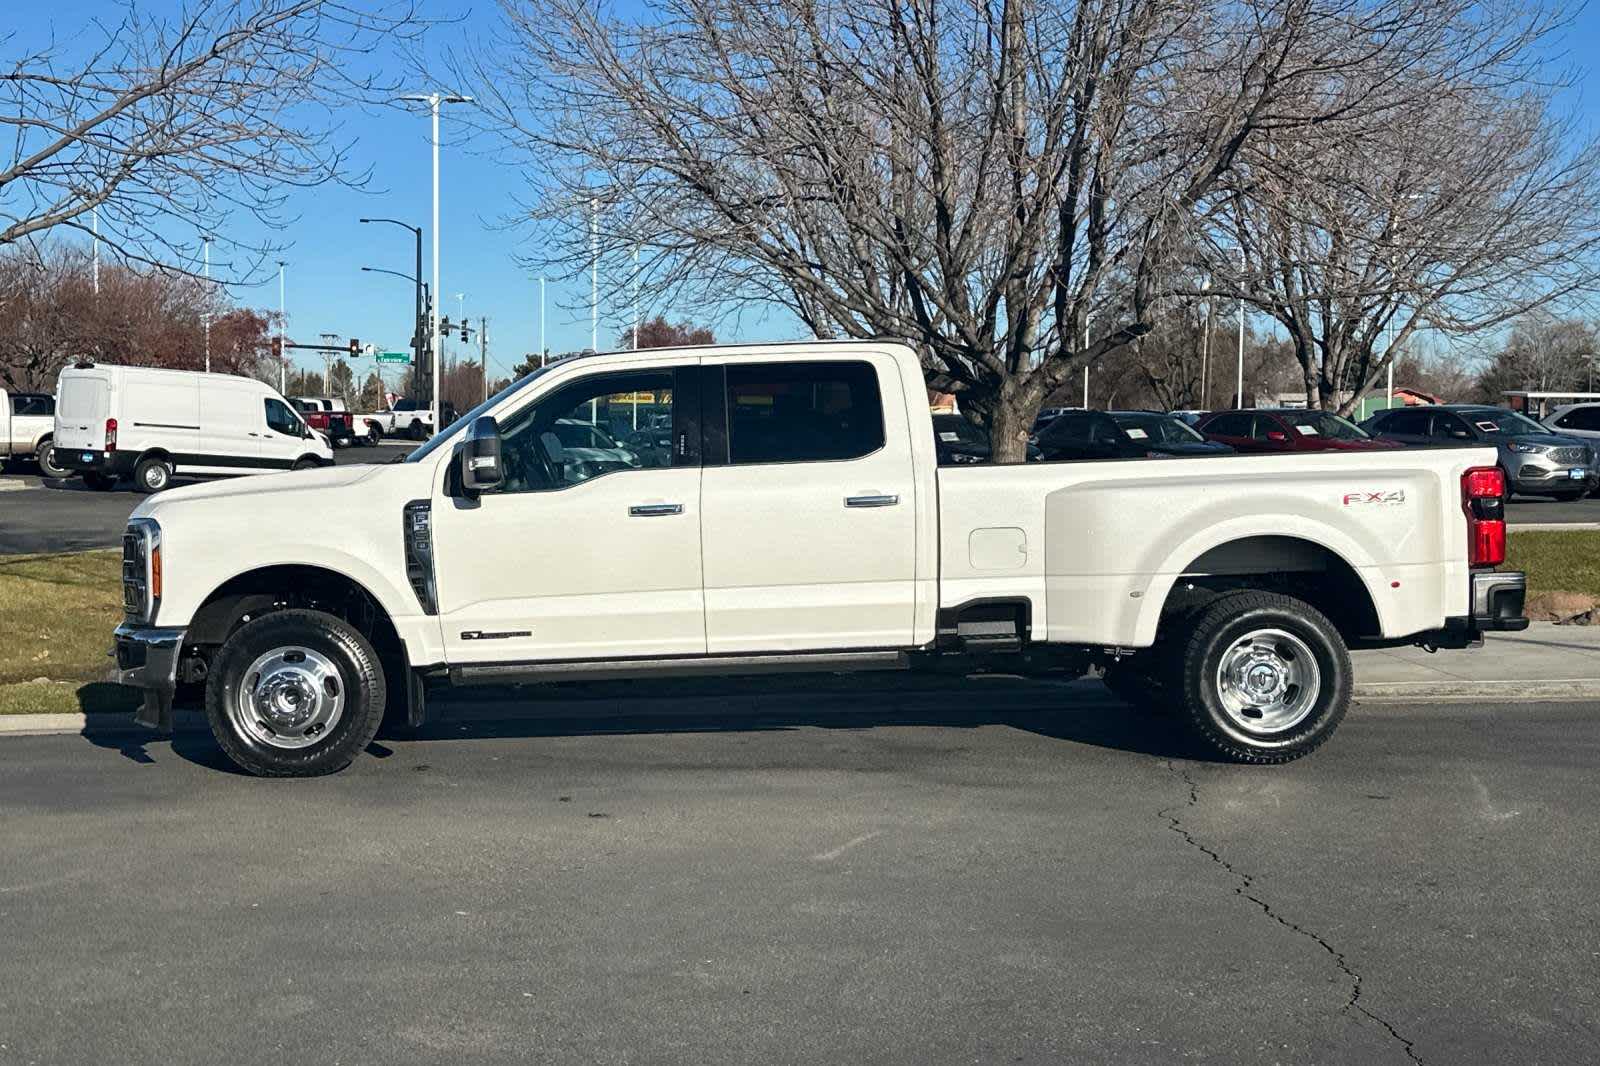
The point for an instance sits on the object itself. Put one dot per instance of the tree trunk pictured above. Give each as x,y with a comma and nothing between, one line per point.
1011,421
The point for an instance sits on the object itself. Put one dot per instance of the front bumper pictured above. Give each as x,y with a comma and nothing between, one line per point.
147,658
1535,475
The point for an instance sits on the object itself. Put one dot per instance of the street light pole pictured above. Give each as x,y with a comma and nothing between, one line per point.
542,348
419,344
594,274
433,101
94,221
1239,400
283,351
208,304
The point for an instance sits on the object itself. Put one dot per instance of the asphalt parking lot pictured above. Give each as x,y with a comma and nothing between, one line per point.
917,878
37,515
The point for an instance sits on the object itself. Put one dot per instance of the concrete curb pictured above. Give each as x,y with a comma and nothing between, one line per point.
1550,527
1431,691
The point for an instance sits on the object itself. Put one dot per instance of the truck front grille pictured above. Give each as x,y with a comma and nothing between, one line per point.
1577,455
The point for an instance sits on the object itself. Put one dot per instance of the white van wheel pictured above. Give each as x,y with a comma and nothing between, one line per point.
47,462
152,474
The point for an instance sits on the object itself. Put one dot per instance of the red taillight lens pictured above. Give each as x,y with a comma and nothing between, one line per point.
111,434
1483,491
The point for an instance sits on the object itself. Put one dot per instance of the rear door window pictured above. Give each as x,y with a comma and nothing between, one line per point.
83,397
1234,425
1405,423
802,412
33,405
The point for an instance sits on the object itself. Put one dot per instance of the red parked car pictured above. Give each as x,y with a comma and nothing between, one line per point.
1283,429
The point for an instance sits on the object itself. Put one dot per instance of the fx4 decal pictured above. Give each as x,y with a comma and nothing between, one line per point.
1382,496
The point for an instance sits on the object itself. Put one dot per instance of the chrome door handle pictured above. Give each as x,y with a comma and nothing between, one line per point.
651,510
871,501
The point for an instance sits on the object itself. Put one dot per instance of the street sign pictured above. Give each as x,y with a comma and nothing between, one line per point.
394,357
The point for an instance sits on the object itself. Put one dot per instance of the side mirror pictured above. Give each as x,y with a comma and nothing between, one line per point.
481,468
1460,434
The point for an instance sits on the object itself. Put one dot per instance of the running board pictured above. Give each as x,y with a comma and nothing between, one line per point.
804,662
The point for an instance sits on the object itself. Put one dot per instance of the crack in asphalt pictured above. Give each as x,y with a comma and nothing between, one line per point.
1245,889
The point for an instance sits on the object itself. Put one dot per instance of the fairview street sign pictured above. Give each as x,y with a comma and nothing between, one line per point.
394,357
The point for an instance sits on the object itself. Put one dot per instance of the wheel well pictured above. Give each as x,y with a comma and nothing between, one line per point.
276,588
1290,565
153,453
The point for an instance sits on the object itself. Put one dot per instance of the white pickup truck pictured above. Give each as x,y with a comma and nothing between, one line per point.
796,520
27,425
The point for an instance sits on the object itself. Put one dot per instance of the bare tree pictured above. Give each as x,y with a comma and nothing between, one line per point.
978,177
167,125
1469,205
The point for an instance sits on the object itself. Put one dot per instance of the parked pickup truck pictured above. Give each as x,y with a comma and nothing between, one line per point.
407,418
802,523
327,415
27,426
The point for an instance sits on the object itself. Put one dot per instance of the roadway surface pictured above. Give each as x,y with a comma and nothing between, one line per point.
880,876
39,515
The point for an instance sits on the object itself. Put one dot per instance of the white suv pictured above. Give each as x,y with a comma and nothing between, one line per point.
1576,420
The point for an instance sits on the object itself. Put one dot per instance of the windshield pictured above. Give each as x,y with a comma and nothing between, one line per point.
455,429
954,429
1322,424
1500,420
1162,429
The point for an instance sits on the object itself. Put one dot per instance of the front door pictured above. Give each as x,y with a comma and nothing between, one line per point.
809,506
591,548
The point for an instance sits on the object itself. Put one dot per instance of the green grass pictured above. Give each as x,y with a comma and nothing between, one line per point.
56,617
1557,561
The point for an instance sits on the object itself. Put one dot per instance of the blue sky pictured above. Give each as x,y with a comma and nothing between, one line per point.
328,293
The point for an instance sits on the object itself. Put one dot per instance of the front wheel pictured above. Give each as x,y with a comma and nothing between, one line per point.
49,465
374,435
305,463
1266,678
295,694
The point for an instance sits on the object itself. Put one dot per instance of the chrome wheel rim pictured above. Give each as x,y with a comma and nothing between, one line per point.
1268,681
155,477
290,698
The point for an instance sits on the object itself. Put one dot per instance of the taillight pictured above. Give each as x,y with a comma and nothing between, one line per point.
111,435
1483,500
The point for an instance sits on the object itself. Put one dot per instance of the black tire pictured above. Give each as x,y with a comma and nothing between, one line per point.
1568,497
99,482
48,466
360,677
305,462
374,435
1218,634
152,474
417,431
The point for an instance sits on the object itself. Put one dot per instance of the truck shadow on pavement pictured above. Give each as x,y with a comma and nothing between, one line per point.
1079,714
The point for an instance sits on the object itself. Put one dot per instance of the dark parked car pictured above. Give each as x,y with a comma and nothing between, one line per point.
1281,429
1537,462
958,442
1166,434
1090,435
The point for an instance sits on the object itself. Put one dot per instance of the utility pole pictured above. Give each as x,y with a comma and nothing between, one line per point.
1389,397
283,352
1205,345
483,352
636,318
94,221
542,348
594,274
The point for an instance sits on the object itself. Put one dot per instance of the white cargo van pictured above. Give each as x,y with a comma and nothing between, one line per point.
123,421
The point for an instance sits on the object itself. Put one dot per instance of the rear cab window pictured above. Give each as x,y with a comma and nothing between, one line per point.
802,412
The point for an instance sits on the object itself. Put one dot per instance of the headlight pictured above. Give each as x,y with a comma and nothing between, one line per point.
1527,449
141,570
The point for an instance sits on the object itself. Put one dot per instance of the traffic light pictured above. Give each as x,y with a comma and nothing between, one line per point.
277,347
464,336
444,326
355,346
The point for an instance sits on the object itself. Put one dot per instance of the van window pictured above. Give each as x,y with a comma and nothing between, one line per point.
83,397
803,412
282,420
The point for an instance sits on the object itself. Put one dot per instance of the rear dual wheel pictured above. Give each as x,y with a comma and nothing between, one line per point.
1265,678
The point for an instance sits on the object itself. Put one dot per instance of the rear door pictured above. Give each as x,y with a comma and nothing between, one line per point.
808,506
1233,429
82,408
1407,426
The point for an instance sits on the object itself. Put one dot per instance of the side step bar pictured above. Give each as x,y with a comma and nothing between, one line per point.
695,666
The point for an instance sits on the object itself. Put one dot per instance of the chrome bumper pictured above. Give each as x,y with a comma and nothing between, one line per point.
1497,598
147,658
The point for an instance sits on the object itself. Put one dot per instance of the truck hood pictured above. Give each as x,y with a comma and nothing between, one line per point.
259,485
